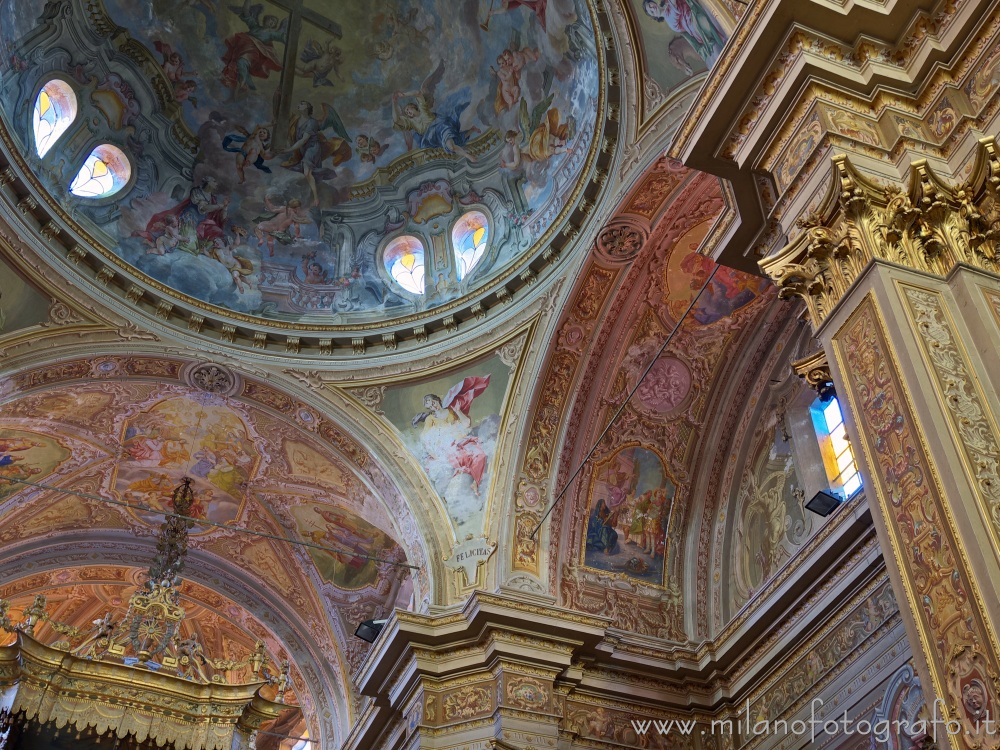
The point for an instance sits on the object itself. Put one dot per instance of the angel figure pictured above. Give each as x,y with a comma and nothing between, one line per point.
191,659
173,68
318,61
448,431
251,53
510,63
542,135
95,645
368,148
425,126
251,147
311,147
279,222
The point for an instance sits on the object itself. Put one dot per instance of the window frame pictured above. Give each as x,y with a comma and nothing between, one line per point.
481,262
384,269
48,79
837,463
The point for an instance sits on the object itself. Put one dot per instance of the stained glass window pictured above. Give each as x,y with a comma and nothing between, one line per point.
104,173
838,457
55,110
469,238
404,260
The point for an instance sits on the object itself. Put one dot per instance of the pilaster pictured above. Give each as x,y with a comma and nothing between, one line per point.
899,285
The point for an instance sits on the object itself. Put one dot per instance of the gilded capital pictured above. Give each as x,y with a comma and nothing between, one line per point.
929,226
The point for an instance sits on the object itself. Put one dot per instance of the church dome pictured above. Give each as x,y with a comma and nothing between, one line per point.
296,165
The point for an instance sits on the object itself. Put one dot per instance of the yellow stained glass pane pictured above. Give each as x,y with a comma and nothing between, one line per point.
43,103
845,460
100,168
477,238
839,441
407,261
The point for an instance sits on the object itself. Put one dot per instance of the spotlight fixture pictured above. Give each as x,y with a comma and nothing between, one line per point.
369,630
823,503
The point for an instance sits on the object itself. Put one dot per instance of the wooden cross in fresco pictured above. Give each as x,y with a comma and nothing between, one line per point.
297,13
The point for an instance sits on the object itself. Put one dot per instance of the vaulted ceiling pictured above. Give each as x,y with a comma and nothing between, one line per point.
308,405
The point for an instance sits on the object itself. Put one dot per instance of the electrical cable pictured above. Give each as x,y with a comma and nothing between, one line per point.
621,408
213,524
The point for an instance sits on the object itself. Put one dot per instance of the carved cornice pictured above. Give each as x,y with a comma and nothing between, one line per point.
930,227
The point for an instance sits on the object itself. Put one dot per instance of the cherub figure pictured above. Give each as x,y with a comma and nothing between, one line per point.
252,147
313,271
170,239
237,266
426,126
510,63
318,61
542,135
368,148
180,78
172,64
279,219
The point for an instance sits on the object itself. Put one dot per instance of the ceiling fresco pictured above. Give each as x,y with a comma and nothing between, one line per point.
623,524
275,147
680,39
260,463
451,424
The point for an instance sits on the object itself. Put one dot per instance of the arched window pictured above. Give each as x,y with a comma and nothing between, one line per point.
469,238
106,171
55,110
838,457
404,260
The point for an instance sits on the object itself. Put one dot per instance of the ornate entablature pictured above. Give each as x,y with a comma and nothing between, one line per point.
930,226
881,96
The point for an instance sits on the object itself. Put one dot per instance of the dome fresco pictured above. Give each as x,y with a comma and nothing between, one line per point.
271,151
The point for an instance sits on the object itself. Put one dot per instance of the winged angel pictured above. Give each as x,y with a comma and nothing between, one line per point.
453,447
311,146
427,126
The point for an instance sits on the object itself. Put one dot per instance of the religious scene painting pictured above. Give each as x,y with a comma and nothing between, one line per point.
21,305
451,424
302,137
681,39
355,540
630,501
27,456
186,436
728,291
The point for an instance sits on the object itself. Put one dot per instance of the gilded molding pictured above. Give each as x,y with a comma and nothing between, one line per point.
955,632
970,420
930,227
815,370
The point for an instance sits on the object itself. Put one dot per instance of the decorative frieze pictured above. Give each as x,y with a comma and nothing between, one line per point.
956,386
